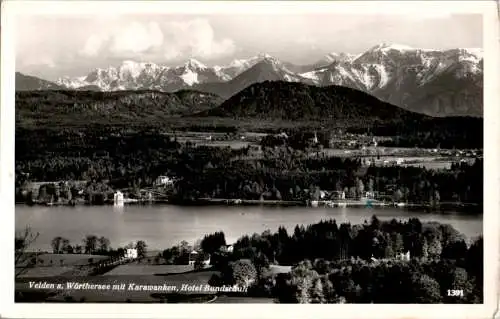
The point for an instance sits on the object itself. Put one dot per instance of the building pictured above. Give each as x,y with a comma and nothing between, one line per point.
118,199
404,256
338,195
370,195
131,253
227,248
164,181
194,255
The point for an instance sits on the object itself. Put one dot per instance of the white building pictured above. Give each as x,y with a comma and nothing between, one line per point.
227,248
118,199
131,253
370,195
404,256
194,255
164,180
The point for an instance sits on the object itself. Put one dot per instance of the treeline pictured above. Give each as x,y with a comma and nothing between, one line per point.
95,245
108,159
72,106
447,132
378,261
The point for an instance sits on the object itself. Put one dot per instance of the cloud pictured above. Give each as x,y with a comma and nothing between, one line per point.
131,39
195,38
165,40
93,45
137,38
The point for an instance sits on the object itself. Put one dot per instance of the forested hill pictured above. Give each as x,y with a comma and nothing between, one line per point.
78,106
32,83
297,101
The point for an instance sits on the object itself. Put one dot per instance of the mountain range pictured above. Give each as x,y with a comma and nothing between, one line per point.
433,82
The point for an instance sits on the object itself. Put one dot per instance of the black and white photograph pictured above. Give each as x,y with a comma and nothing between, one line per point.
249,157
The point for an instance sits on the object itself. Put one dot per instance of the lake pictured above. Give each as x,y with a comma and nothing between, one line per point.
163,226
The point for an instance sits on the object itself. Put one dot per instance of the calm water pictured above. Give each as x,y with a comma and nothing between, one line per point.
164,226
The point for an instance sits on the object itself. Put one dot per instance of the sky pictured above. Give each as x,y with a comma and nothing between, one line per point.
51,46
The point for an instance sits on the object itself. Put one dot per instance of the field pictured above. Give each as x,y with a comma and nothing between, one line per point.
49,265
50,260
46,271
140,269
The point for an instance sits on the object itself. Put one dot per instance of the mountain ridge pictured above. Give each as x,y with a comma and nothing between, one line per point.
433,82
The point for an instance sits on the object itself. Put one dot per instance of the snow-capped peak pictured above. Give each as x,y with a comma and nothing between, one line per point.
264,56
131,67
194,64
341,57
392,46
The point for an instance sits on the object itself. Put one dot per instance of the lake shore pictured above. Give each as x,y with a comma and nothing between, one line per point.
281,203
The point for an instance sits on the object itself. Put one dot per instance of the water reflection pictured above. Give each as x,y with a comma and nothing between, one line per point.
119,209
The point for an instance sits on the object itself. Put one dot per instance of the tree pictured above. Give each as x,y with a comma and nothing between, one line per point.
141,249
360,187
425,289
397,196
434,249
397,242
78,249
22,242
199,261
213,242
474,263
375,223
460,281
455,250
243,273
103,243
303,283
66,247
56,244
90,244
317,293
184,247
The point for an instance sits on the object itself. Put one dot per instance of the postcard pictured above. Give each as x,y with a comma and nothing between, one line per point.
162,156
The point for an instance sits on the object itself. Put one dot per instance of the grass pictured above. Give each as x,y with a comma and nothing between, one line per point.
46,271
141,269
68,259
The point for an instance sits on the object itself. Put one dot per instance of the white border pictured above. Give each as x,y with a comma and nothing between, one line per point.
491,163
